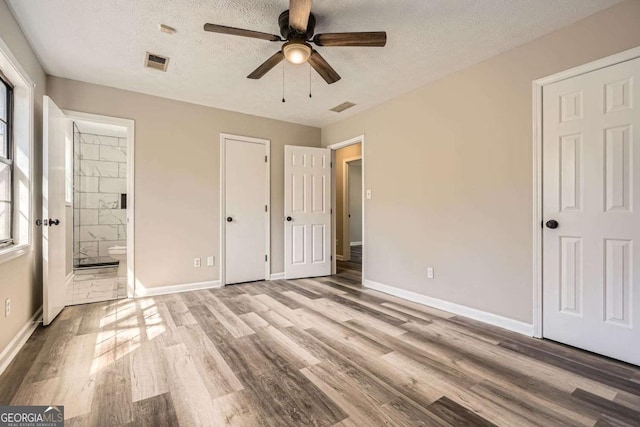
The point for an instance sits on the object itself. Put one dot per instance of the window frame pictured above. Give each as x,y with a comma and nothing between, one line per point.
23,130
8,159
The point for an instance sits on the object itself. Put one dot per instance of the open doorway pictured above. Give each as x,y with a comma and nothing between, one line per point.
353,209
349,209
100,166
87,208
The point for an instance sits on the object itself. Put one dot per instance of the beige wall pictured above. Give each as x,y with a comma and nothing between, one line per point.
177,175
355,150
450,168
21,278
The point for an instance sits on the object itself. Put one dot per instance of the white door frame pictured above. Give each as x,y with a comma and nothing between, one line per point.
334,148
131,137
346,222
538,85
223,202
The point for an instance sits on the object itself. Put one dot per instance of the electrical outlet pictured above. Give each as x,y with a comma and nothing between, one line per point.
196,262
7,307
211,261
429,272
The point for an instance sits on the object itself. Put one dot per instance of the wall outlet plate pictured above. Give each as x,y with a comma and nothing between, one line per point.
211,261
196,262
429,272
7,307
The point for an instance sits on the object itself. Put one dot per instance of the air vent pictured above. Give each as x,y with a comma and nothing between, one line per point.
157,62
344,106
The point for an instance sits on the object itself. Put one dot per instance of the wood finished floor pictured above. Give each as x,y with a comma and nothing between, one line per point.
317,352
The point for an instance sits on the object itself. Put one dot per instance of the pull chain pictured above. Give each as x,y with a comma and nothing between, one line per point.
310,81
283,100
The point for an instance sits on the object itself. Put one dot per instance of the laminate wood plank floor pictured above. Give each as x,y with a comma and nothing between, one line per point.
317,352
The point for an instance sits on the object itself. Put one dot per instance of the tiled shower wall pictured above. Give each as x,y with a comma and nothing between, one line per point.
100,178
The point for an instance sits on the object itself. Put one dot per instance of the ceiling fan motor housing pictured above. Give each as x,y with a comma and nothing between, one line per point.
289,33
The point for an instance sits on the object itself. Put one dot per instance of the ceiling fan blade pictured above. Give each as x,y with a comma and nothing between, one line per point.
367,39
267,65
213,28
323,68
299,11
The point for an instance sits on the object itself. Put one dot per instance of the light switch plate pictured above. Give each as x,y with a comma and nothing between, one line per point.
368,194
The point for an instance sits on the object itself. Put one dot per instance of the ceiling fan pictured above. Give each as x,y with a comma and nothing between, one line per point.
297,29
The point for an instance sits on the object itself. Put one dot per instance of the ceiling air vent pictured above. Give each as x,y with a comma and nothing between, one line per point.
340,108
157,62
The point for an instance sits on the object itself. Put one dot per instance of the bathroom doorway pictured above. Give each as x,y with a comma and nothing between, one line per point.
101,229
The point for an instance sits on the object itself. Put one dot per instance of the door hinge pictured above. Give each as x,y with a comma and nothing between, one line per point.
265,159
265,208
330,257
330,164
266,258
330,211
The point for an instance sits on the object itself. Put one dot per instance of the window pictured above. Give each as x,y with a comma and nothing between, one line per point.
17,99
6,162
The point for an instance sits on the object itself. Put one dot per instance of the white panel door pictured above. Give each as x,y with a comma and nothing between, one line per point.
55,132
307,210
591,260
245,216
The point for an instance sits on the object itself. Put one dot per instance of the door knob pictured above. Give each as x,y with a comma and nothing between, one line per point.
289,218
229,219
552,223
54,221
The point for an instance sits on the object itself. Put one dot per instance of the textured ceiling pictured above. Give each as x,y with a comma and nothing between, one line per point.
104,42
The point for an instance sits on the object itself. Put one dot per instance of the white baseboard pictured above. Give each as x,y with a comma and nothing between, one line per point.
277,276
339,258
172,289
14,346
461,310
355,244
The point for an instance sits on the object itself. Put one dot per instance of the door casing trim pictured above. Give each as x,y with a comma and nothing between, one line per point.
334,148
537,88
130,125
222,261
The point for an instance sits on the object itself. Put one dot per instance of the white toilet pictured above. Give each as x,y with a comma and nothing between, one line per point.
119,253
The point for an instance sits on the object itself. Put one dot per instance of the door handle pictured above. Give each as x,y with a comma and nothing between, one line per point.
229,219
552,224
47,222
289,218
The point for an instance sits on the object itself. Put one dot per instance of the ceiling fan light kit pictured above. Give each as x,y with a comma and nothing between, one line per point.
297,26
296,52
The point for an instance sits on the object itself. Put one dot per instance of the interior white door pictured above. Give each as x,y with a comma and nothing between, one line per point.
245,217
591,174
307,211
54,143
